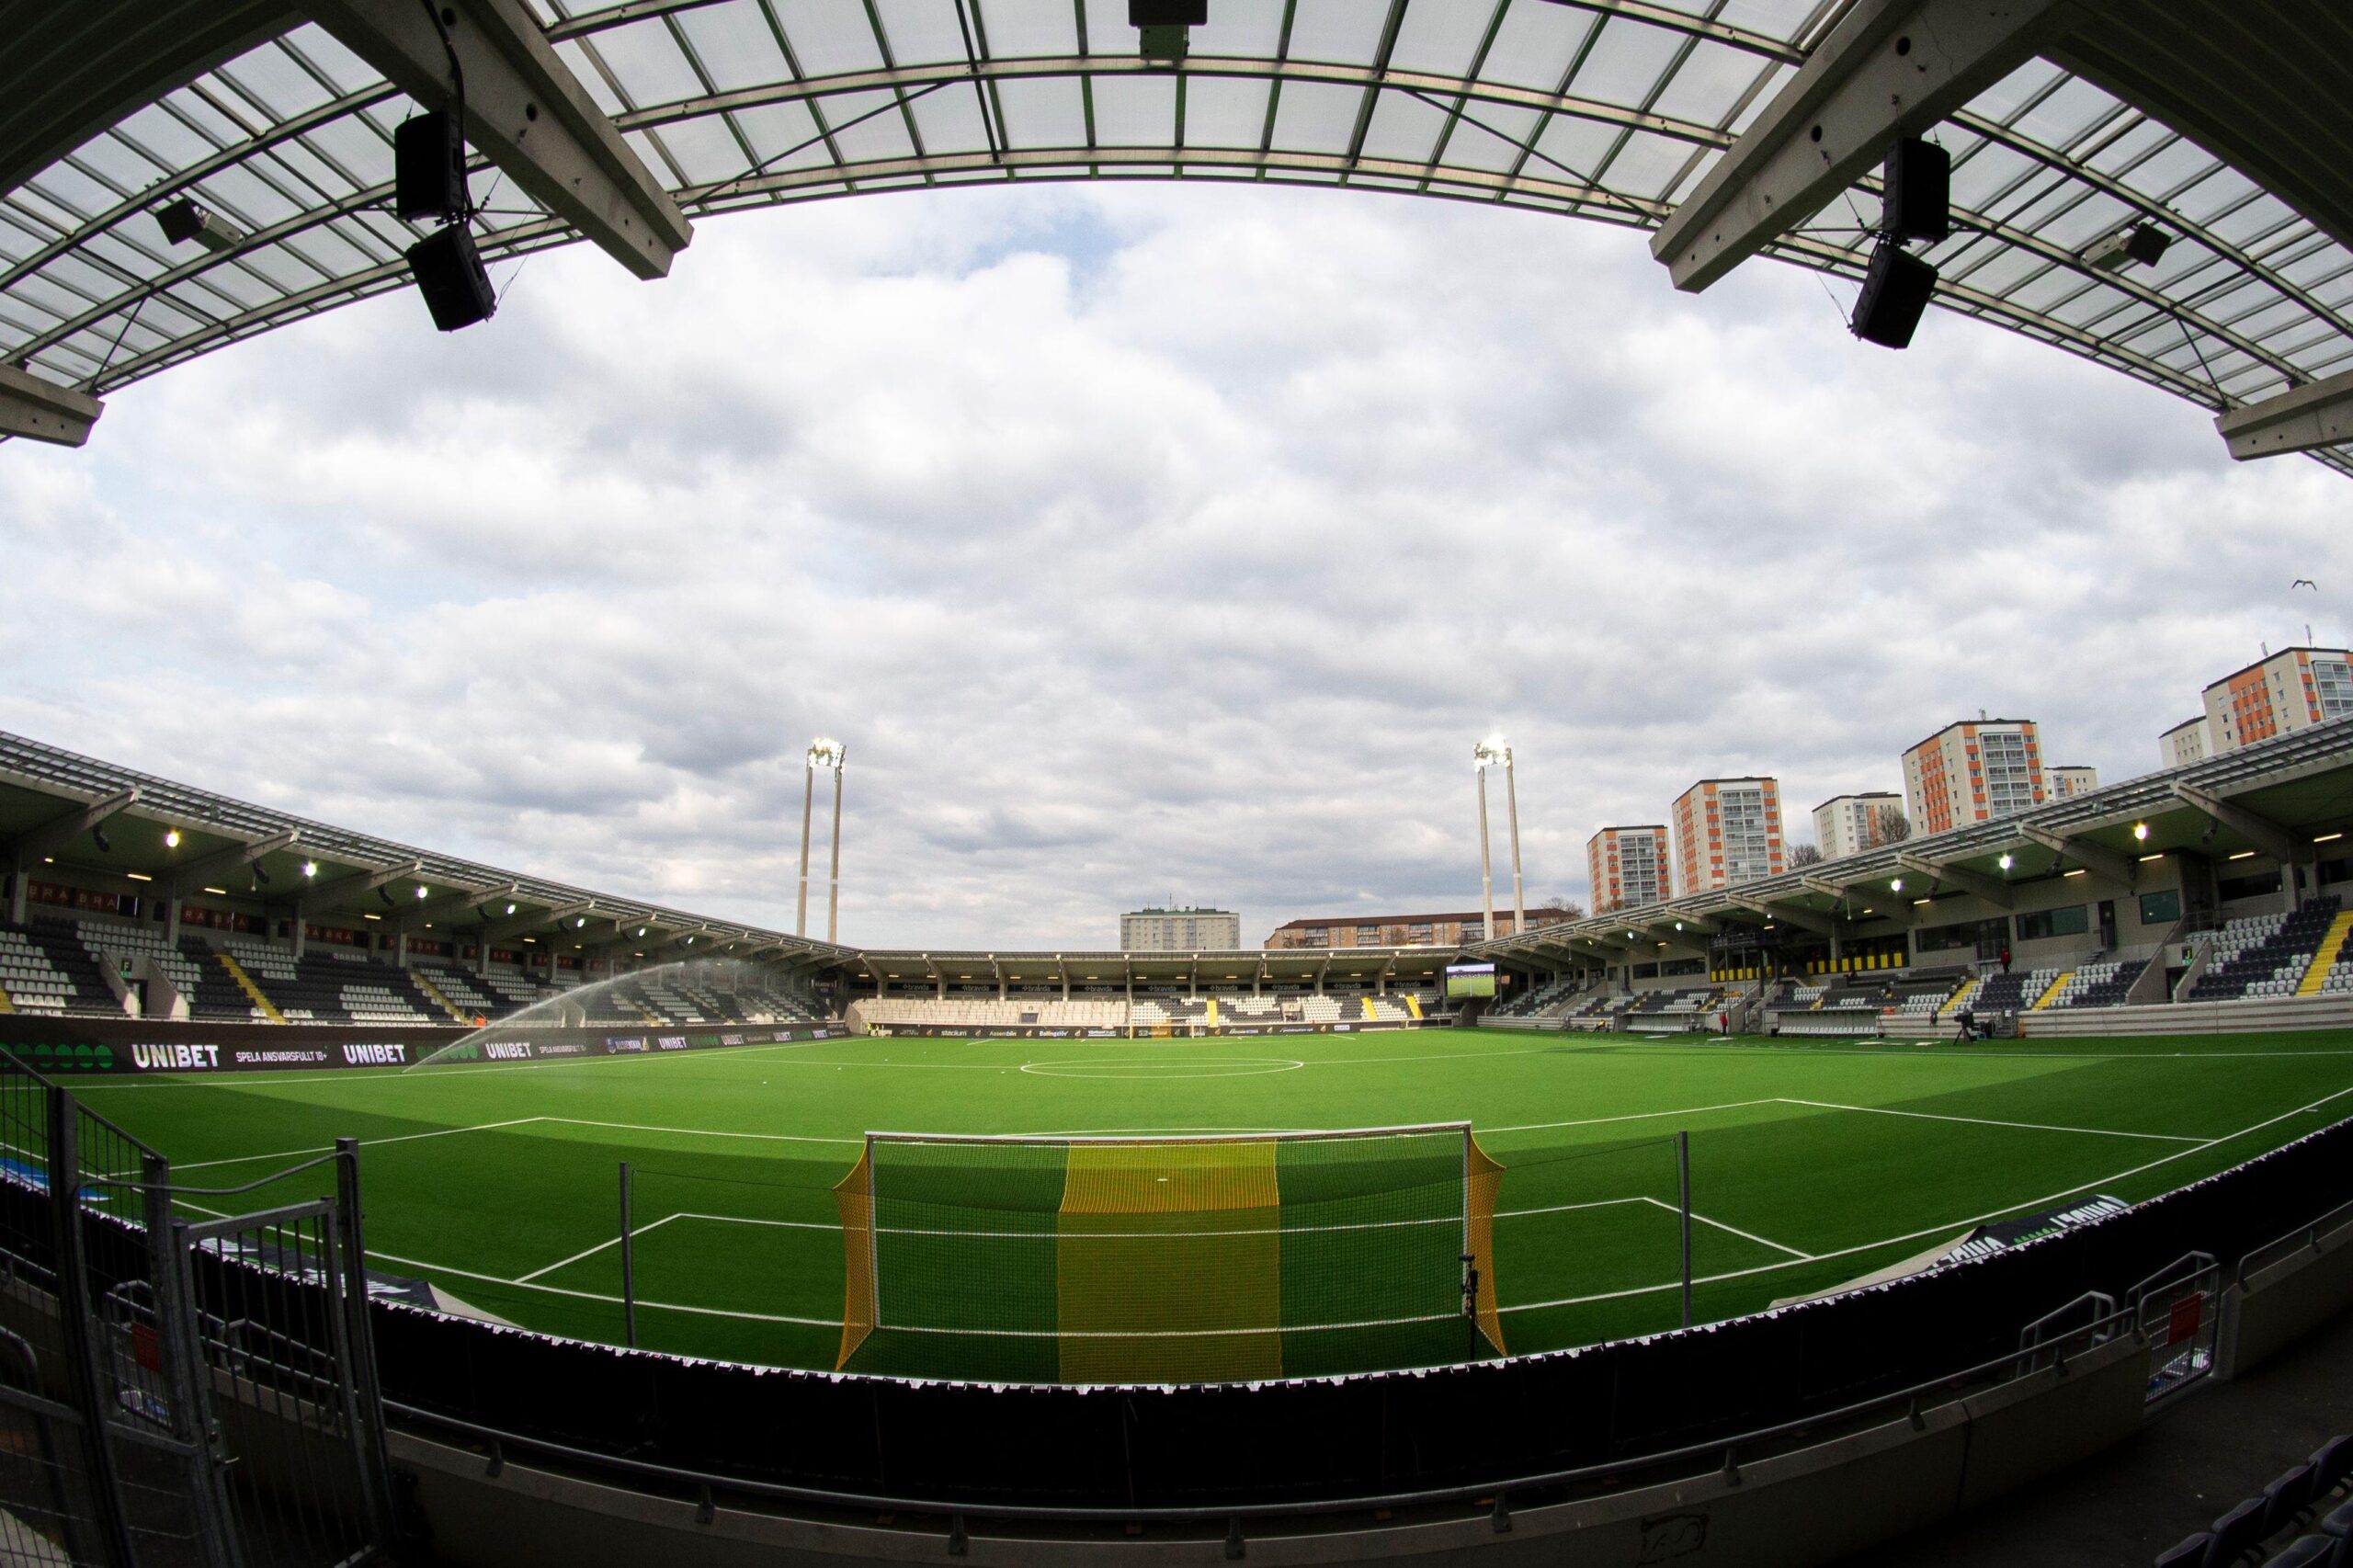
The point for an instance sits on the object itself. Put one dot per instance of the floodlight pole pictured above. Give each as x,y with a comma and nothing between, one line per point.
808,798
1486,874
1511,815
1683,1204
833,887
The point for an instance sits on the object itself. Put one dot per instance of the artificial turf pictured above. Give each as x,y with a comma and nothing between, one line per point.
1812,1163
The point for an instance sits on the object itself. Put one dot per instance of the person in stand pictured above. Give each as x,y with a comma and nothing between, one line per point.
2006,957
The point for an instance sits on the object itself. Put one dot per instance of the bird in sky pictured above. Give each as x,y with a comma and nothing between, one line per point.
2303,582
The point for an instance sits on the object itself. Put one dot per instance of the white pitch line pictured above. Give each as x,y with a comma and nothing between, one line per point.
364,1143
1990,1121
642,1305
1636,1115
575,1257
1946,1227
1735,1229
699,1131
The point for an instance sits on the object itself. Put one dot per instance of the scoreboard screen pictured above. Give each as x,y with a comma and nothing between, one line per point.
1470,980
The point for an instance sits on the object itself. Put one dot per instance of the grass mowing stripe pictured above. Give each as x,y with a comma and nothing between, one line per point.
1937,1230
1990,1121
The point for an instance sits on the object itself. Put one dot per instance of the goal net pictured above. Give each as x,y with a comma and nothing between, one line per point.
1168,1259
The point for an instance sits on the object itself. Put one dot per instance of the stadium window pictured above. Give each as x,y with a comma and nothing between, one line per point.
2161,908
2069,920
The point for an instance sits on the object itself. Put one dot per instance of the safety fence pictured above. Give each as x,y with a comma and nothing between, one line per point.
180,1383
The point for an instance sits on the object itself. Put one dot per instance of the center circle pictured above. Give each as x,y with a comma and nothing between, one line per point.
1195,1067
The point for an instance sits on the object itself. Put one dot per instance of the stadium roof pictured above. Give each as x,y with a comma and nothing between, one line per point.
50,800
1729,126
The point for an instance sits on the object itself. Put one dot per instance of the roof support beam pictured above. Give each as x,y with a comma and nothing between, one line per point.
1891,68
2091,857
340,893
1804,919
2260,830
59,831
39,410
421,913
2302,420
205,867
525,110
532,920
1993,890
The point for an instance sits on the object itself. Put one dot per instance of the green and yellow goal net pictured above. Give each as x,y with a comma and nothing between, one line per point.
1168,1259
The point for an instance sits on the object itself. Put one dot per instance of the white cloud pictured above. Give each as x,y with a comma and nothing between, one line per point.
1138,540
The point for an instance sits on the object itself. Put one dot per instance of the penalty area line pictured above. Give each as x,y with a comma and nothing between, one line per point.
635,1232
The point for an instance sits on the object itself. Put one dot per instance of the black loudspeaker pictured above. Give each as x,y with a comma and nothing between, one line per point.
429,168
449,273
1895,291
1167,13
1917,189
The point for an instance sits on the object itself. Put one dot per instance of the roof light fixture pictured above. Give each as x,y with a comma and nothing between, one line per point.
2135,245
2140,831
171,838
184,220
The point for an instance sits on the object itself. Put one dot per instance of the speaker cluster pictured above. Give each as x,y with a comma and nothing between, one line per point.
1917,189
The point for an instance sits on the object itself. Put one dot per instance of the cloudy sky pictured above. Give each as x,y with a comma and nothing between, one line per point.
1139,541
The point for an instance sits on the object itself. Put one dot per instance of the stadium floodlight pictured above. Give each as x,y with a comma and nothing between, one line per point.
2005,861
1896,884
2140,831
183,221
310,868
420,890
171,838
510,909
2135,245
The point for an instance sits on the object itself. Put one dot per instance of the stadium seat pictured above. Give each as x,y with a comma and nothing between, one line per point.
2332,1463
2286,1498
2237,1532
2338,1522
2189,1553
2308,1552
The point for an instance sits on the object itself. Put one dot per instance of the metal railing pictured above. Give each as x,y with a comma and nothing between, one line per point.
210,1393
2285,1245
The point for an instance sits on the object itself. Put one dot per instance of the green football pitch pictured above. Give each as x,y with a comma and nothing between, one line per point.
1812,1163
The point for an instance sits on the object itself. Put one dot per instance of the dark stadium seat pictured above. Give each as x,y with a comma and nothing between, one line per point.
2307,1551
2284,1499
2340,1521
2332,1463
2188,1553
2237,1533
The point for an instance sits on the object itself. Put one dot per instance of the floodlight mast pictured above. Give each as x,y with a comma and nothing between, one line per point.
1481,755
823,753
834,886
1511,815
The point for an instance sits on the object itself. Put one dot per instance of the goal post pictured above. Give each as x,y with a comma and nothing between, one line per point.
1168,1258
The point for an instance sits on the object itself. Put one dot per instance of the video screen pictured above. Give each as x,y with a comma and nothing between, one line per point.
1470,980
